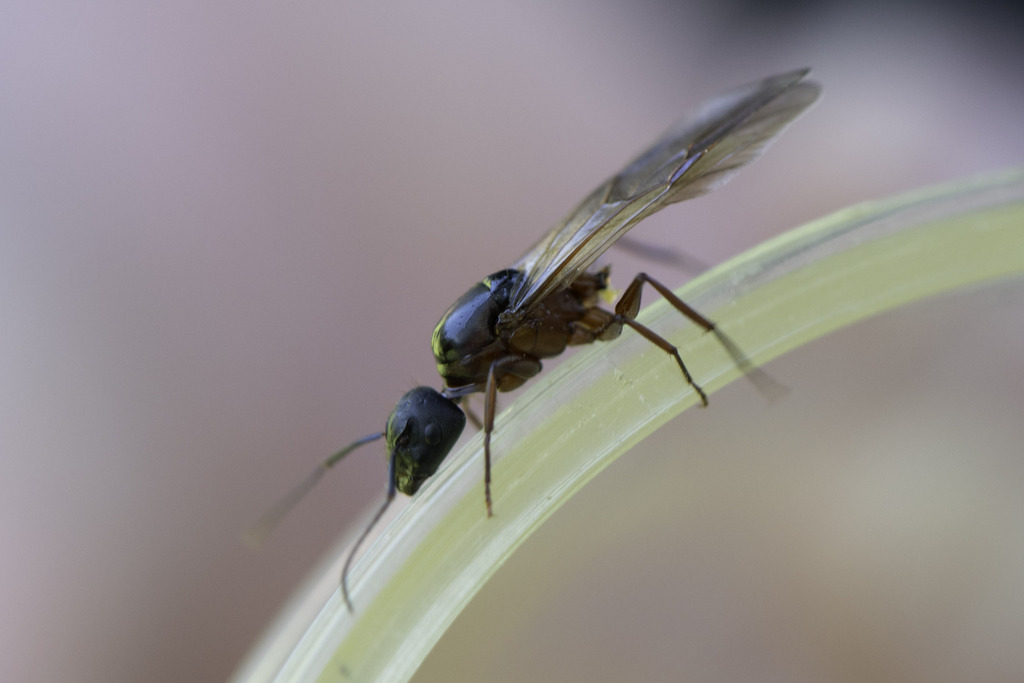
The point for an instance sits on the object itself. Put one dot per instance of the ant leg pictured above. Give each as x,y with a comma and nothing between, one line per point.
464,402
629,304
519,369
508,372
490,399
663,344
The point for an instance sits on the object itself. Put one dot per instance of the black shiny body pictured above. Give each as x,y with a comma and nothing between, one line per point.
470,342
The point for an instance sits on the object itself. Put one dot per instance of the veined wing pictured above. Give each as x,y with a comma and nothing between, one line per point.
695,156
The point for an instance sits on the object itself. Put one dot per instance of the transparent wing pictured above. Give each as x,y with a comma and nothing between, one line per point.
695,156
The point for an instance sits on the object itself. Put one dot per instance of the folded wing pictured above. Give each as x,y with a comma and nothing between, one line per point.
695,156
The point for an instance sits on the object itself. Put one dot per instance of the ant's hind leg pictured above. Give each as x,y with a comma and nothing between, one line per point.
629,304
663,344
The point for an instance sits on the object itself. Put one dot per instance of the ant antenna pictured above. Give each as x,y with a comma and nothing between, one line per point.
366,532
258,533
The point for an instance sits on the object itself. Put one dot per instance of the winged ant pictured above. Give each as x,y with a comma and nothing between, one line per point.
495,336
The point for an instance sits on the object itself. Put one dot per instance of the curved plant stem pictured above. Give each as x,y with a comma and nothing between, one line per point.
572,422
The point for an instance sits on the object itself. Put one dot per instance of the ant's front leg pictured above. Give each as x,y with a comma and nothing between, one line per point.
490,398
504,373
463,402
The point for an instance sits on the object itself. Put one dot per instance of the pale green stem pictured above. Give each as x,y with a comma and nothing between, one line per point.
573,421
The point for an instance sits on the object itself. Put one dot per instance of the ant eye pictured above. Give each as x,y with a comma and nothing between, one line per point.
432,434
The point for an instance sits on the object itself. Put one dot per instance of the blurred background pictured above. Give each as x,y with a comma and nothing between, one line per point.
228,229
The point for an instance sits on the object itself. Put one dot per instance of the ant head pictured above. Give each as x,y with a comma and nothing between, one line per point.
421,431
